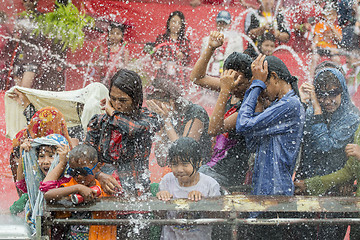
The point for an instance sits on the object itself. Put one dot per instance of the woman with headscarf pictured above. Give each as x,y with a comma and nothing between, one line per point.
331,122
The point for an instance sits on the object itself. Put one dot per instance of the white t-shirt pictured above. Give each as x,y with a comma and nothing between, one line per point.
207,186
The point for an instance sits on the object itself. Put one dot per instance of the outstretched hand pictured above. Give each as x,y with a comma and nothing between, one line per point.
259,68
20,98
353,150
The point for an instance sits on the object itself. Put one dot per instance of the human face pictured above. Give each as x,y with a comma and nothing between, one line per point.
45,158
184,172
175,24
267,47
221,26
84,171
329,98
243,85
121,101
115,36
272,89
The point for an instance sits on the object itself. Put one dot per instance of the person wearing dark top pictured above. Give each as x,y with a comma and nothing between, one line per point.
229,161
123,135
182,119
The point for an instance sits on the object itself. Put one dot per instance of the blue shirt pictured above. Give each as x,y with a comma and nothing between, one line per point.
275,136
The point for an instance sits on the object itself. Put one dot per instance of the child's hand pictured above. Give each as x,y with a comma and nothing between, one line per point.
164,195
216,39
62,150
194,195
26,145
259,68
300,187
88,193
353,150
227,81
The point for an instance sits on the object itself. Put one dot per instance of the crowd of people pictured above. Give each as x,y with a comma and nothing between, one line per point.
264,131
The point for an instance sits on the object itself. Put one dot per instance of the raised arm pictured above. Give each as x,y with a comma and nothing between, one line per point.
198,74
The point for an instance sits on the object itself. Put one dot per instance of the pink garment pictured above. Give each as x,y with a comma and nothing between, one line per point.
21,185
46,186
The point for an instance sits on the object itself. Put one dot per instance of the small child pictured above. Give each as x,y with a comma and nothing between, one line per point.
83,165
186,182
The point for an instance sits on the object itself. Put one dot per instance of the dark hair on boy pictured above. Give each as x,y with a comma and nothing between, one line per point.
185,150
39,148
239,62
130,83
83,151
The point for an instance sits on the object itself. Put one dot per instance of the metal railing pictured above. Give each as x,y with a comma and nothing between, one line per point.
231,210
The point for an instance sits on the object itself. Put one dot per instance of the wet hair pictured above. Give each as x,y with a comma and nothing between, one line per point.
130,83
185,150
266,37
182,28
40,147
325,79
277,66
239,62
329,64
83,152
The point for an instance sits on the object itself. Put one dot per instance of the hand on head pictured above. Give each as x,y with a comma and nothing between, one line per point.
259,68
228,82
62,150
160,108
307,92
26,145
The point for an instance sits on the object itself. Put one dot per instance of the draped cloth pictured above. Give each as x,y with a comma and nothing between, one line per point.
34,175
78,106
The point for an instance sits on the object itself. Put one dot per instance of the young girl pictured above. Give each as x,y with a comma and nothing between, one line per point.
115,55
275,134
83,165
38,158
186,182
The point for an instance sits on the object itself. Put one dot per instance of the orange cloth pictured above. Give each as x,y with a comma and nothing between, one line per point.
321,29
46,121
99,232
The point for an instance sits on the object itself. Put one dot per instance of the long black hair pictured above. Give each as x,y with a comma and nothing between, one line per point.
182,28
130,83
276,65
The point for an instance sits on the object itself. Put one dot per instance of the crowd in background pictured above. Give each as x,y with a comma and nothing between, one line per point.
265,131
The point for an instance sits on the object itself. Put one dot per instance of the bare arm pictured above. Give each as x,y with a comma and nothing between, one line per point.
217,123
28,79
55,174
198,74
59,193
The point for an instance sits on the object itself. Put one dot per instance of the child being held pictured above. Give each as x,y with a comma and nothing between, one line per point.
83,165
186,182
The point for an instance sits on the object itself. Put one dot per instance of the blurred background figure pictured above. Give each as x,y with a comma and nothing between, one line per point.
232,43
